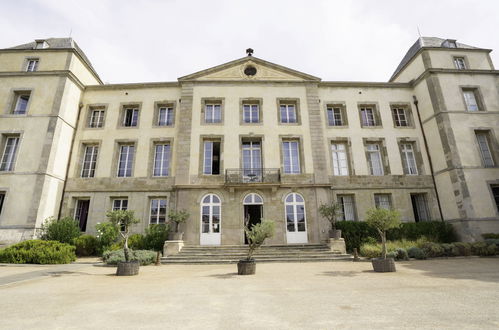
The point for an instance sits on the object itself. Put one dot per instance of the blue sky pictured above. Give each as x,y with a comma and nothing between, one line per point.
152,40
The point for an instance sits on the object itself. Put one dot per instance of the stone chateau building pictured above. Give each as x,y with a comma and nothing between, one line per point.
248,139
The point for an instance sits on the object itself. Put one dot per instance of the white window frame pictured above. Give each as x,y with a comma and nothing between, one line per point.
484,147
339,159
167,117
9,153
155,219
383,201
374,149
253,112
409,159
288,109
332,116
161,158
400,117
213,201
89,161
297,201
120,204
347,204
213,113
368,116
19,96
460,63
471,100
96,118
294,166
32,64
422,206
128,160
134,120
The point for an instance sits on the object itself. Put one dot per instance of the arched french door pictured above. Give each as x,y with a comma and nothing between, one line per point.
253,211
296,224
211,211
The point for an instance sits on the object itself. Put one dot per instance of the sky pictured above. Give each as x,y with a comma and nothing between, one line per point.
153,40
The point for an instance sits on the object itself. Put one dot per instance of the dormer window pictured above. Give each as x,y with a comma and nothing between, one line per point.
40,44
449,43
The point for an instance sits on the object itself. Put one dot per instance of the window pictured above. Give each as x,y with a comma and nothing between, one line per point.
211,209
483,138
213,113
161,159
252,161
449,43
340,160
400,117
32,65
291,157
40,44
2,199
9,153
211,158
420,207
295,213
125,165
89,161
165,116
130,117
21,103
251,113
460,63
81,213
96,118
374,159
120,204
495,193
408,159
471,99
347,207
288,113
157,214
367,116
335,116
383,201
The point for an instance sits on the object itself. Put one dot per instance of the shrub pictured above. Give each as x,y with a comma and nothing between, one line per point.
38,252
370,250
433,250
450,250
401,254
145,257
257,235
463,248
417,253
155,237
86,245
392,255
64,230
136,242
373,250
483,249
107,234
490,236
356,233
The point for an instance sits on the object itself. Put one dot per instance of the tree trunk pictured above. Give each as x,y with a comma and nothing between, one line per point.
157,258
125,250
383,245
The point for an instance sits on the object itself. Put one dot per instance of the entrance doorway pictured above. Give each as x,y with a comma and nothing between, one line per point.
253,211
81,213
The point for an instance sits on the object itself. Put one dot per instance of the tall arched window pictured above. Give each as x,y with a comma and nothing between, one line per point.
211,209
295,213
253,199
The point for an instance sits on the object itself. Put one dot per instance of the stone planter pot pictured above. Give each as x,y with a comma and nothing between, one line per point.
383,265
245,267
336,234
176,236
128,268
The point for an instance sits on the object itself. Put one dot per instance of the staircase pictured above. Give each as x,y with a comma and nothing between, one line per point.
226,254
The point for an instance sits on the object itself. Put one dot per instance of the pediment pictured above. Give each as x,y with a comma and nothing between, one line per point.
235,71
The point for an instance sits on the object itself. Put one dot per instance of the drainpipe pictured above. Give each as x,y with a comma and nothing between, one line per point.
429,157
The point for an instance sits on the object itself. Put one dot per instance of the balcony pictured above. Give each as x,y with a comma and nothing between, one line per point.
249,176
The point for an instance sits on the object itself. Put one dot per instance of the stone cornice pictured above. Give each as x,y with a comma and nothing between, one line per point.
54,73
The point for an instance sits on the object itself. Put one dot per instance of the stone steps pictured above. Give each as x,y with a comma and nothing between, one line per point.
269,253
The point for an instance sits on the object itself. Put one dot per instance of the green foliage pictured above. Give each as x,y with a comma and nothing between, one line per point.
136,242
64,230
374,250
38,252
258,234
107,235
417,253
483,249
86,245
156,235
463,248
401,254
124,220
145,257
433,250
383,219
450,250
178,217
358,232
490,236
331,213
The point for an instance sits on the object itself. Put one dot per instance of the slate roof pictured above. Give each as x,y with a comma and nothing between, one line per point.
424,42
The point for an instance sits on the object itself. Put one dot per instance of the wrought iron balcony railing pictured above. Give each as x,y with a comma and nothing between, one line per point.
255,175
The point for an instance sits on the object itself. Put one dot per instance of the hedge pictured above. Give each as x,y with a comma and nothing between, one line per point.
86,245
356,233
145,257
38,252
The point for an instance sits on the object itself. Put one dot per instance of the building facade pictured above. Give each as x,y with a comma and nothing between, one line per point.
249,139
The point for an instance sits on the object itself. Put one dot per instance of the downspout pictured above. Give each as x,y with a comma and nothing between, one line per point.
429,157
80,105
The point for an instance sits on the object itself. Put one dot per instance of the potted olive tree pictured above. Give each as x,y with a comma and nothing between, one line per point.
123,220
257,234
331,213
177,217
382,220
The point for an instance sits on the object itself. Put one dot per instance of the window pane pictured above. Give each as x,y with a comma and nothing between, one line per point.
208,157
21,104
483,144
471,104
9,154
161,160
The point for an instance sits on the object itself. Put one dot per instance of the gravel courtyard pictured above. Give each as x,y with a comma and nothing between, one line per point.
434,294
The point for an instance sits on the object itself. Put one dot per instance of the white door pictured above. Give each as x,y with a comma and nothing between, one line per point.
211,210
296,225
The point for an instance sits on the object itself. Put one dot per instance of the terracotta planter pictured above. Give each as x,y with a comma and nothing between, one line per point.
128,268
336,234
383,265
245,267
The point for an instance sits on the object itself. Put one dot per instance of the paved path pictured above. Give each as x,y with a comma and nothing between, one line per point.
433,294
